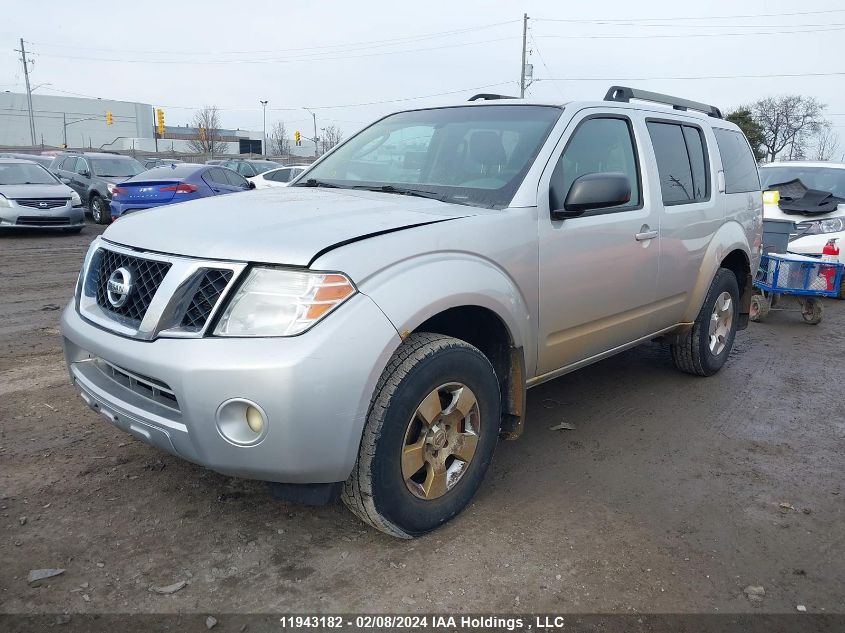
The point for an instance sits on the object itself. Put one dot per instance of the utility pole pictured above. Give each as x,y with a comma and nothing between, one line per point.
522,68
314,117
25,63
155,130
264,142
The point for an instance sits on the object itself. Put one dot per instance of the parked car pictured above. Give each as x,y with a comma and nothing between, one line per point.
174,183
32,197
151,161
215,161
371,331
94,175
279,177
251,167
812,194
44,161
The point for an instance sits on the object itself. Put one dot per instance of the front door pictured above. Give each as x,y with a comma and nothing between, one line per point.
598,271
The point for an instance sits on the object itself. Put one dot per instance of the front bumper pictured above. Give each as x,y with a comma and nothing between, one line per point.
814,244
314,388
20,217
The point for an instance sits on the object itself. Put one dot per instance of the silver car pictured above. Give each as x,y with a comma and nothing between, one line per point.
371,330
33,198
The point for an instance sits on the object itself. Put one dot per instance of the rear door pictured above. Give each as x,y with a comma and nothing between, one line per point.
691,211
217,180
236,181
598,271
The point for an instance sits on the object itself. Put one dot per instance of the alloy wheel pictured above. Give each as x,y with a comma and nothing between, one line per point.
440,441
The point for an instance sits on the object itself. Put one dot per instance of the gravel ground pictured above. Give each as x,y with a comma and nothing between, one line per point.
672,493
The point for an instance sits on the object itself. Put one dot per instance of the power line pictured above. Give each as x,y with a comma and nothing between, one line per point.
362,44
836,27
322,107
183,62
697,17
767,76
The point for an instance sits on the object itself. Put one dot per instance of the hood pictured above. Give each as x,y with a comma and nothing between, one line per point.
282,225
36,191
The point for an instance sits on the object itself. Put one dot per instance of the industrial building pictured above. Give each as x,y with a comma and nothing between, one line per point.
76,122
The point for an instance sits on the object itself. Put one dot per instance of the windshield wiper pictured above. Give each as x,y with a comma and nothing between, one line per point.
313,182
419,193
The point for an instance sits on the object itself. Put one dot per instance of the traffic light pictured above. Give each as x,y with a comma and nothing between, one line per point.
109,118
160,121
202,133
297,137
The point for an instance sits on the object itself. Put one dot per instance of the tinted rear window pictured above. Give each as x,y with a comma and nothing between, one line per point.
737,162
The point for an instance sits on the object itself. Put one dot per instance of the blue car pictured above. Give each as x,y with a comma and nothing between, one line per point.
172,183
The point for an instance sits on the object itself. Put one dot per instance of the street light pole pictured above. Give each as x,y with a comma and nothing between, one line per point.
264,142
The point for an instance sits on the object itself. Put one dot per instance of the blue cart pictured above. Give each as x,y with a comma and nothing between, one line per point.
808,279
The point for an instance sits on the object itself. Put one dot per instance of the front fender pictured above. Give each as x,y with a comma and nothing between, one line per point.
414,290
730,237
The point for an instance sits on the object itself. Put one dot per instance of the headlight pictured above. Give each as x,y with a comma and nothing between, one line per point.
279,302
75,200
80,279
110,187
4,202
830,225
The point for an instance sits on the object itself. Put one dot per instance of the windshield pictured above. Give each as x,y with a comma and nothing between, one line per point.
116,167
25,174
476,155
828,179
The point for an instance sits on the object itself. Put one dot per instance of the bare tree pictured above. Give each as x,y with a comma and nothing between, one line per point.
330,137
279,143
789,124
827,143
207,123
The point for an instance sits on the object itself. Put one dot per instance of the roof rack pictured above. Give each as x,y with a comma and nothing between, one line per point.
625,94
488,96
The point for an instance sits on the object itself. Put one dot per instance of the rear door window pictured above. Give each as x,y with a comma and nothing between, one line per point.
234,179
737,162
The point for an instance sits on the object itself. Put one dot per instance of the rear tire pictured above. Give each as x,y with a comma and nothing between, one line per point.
842,288
100,212
387,492
705,348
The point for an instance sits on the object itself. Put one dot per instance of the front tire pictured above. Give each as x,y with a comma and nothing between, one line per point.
429,436
99,209
705,348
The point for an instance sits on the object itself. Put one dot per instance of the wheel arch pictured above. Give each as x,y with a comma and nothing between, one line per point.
729,249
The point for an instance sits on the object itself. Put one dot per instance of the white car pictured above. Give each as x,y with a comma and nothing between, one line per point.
814,229
279,177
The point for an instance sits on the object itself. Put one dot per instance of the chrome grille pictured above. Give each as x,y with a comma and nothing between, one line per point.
147,275
42,203
210,289
171,296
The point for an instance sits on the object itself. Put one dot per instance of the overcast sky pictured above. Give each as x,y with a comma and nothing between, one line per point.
334,56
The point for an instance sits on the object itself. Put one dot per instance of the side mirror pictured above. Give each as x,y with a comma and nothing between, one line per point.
592,191
250,185
85,173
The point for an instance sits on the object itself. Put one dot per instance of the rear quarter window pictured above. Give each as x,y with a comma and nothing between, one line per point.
737,162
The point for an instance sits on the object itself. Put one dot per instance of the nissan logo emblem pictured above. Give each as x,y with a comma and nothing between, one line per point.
119,287
42,205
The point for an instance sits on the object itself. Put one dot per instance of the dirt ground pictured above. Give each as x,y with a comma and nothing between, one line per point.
672,493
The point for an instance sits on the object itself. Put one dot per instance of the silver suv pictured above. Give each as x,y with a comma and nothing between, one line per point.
371,330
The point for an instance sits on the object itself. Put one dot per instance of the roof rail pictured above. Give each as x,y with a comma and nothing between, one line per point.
625,94
488,96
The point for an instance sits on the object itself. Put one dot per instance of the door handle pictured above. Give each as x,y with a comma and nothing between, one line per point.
645,235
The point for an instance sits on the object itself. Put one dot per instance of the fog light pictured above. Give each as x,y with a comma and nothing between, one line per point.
254,419
241,422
